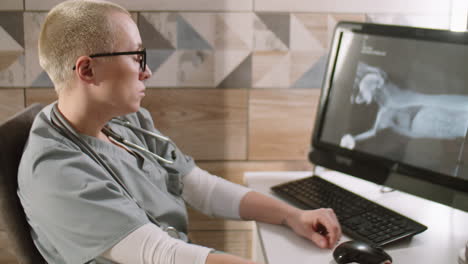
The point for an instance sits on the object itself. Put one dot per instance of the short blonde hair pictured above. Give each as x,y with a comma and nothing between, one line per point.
72,29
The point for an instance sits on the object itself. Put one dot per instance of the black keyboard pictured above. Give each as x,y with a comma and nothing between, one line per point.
360,218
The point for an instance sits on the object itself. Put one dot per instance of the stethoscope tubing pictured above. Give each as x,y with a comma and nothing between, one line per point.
125,123
110,133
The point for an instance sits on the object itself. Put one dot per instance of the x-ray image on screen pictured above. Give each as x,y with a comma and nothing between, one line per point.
410,114
404,100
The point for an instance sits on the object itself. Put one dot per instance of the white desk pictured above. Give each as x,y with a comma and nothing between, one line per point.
447,229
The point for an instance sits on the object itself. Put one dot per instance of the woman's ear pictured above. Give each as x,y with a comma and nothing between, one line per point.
84,69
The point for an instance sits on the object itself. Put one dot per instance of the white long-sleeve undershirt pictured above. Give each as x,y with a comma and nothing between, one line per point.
213,195
149,244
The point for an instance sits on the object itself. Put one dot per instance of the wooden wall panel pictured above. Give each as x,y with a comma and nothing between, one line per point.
281,122
234,170
6,256
5,250
40,95
11,102
201,222
205,123
234,242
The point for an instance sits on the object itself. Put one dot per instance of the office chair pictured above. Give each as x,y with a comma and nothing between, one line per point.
13,135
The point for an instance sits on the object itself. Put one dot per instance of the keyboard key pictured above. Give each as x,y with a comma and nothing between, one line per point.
364,232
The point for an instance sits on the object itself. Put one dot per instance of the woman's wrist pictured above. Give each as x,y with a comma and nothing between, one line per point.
291,214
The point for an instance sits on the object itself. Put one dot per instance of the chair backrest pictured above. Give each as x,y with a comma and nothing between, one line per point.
13,135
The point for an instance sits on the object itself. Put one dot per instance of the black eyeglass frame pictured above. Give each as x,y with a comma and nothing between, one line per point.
137,52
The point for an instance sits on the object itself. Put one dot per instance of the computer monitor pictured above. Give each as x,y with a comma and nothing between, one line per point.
395,100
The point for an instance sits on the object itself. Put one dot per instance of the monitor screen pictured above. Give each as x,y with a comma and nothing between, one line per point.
395,98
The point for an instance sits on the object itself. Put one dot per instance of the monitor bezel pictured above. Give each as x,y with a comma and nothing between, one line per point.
357,163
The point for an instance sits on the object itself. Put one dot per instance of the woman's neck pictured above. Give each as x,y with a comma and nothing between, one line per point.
83,117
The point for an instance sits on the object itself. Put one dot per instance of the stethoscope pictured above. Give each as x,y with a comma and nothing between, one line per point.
62,125
114,136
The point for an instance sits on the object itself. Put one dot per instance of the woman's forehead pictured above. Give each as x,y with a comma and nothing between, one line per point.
127,31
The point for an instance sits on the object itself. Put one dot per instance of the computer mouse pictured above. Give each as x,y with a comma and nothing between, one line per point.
360,252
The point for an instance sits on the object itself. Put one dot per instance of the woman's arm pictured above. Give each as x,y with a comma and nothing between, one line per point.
150,245
321,225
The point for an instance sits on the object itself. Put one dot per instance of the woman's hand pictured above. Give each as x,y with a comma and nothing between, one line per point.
321,226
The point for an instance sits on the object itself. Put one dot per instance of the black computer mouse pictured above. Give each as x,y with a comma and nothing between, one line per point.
360,252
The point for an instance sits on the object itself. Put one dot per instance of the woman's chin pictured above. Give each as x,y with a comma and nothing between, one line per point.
129,109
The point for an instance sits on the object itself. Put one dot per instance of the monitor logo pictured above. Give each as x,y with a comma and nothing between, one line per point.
343,160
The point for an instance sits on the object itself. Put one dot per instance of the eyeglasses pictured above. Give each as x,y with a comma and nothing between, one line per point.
142,59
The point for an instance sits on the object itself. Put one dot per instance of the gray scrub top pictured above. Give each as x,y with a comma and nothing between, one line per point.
76,210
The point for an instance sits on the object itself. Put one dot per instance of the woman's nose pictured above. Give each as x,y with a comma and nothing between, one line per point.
146,74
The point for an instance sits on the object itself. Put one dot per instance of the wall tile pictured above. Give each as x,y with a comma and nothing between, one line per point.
196,31
297,58
271,69
229,64
11,5
207,124
158,30
280,123
234,31
296,69
307,68
11,102
271,32
311,36
233,69
438,7
195,68
12,23
165,67
309,32
159,34
161,5
198,49
13,74
35,75
11,49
